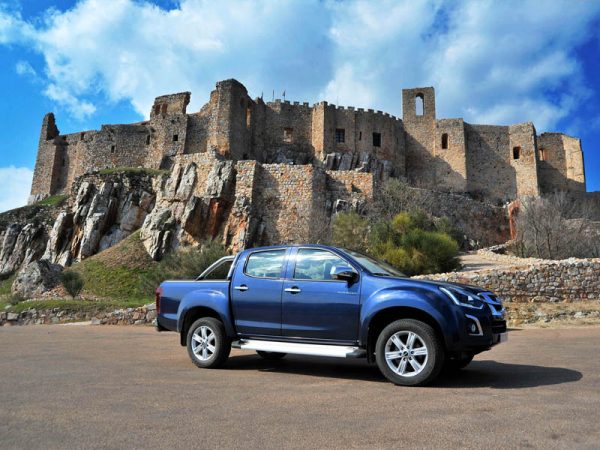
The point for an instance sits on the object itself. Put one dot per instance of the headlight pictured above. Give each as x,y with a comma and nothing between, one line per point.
462,297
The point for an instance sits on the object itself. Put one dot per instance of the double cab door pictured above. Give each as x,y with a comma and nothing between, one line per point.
289,293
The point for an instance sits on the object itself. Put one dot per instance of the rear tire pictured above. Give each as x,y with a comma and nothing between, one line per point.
270,356
207,343
409,353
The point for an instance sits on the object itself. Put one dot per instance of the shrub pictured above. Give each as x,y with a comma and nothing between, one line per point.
72,282
350,231
411,243
185,263
14,299
556,226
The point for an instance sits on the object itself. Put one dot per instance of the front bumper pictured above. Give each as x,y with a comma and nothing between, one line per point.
480,330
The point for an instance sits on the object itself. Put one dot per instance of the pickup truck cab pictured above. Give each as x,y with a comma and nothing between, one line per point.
320,300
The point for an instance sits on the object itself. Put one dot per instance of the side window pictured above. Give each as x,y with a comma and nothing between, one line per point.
316,264
220,272
267,264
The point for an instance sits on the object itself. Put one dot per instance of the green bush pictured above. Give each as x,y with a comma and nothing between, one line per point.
411,243
185,264
14,299
350,231
72,282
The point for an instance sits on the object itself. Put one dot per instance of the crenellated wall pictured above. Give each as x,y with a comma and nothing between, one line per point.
497,163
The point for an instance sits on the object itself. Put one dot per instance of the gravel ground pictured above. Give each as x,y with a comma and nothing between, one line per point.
130,387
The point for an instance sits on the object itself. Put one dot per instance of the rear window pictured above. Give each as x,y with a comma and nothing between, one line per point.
267,264
220,271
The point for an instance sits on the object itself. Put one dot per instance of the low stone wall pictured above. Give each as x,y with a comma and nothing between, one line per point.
548,281
144,315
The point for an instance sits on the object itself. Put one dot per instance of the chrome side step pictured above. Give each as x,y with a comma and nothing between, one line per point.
337,351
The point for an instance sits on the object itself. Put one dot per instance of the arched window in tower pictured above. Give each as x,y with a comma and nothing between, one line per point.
516,152
419,104
445,141
542,154
248,117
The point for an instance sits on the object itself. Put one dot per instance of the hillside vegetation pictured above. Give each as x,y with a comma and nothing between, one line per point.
118,272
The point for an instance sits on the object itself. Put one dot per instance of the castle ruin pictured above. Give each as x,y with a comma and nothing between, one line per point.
490,162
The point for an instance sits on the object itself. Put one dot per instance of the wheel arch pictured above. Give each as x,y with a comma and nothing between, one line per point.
384,317
193,314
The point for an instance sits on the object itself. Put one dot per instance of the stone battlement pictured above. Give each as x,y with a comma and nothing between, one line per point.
498,163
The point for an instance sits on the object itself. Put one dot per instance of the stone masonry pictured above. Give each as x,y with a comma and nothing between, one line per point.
497,163
567,280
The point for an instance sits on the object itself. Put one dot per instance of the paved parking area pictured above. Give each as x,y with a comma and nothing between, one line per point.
117,387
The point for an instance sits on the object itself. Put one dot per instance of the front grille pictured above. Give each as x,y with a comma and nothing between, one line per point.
499,327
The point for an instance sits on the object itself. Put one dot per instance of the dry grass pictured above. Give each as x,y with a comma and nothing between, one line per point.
553,315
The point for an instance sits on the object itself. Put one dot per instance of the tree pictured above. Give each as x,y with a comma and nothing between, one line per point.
350,231
72,282
556,226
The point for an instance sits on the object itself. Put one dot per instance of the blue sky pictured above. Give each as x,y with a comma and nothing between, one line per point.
104,61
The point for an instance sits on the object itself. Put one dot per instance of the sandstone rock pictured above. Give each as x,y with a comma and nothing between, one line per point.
11,317
19,245
36,278
155,234
57,248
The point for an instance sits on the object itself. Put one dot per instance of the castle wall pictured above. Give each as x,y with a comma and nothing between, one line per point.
447,155
553,167
348,190
168,129
523,142
45,176
420,136
450,163
295,146
197,133
489,171
291,203
384,155
575,165
228,130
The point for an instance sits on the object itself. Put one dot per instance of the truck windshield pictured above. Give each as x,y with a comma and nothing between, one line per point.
378,268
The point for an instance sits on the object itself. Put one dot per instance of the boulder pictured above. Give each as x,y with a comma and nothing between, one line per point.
19,245
36,278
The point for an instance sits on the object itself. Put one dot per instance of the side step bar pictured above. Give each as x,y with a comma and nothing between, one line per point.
336,351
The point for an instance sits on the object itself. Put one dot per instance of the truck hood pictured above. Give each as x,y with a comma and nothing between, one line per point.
469,288
466,287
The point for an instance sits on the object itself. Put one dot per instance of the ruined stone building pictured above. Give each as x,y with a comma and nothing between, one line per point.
492,162
256,173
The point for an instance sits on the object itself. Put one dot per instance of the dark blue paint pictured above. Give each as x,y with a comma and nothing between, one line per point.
324,311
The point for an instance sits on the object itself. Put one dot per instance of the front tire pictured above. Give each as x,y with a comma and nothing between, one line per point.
270,356
409,353
207,343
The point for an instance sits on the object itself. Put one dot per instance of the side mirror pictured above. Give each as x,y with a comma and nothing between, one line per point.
343,273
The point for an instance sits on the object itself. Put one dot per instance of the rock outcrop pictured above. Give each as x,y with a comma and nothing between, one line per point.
36,278
105,210
23,236
189,206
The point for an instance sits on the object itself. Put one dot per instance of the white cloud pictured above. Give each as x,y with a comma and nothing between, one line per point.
16,185
79,109
25,69
494,62
507,62
135,51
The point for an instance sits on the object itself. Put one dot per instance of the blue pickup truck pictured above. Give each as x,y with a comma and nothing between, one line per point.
326,301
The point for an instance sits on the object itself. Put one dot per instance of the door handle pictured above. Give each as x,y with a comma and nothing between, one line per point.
293,290
242,288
